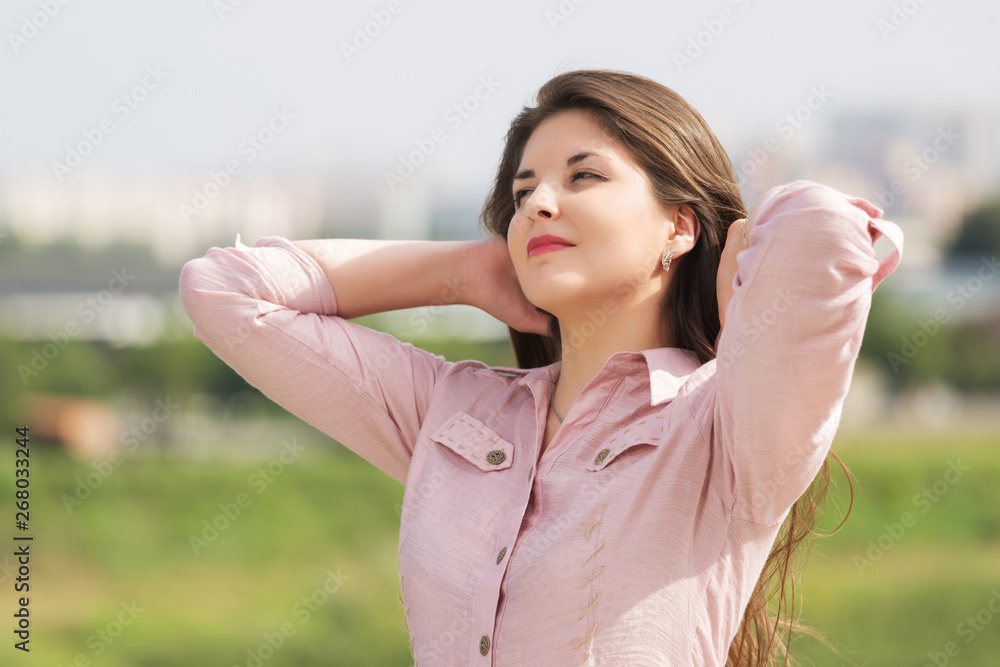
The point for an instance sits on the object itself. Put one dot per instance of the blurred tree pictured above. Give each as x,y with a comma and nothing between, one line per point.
973,358
978,234
899,341
10,244
885,330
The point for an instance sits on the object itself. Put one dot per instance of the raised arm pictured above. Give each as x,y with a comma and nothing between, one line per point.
271,313
801,294
371,276
277,314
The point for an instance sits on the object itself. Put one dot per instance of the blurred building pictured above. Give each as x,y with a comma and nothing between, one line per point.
924,169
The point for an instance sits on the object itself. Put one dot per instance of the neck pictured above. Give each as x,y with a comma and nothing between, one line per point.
591,337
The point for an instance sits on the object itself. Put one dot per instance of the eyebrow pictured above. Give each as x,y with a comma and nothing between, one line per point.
579,157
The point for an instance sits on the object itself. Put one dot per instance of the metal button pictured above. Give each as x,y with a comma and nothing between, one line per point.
496,457
484,645
531,472
601,455
501,554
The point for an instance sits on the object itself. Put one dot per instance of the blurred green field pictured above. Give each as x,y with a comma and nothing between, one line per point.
331,517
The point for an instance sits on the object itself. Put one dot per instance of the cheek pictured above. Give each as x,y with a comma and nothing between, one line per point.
515,241
633,248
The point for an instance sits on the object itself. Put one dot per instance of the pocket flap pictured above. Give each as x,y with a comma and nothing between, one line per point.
647,431
475,442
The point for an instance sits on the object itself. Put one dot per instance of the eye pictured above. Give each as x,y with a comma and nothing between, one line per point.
519,195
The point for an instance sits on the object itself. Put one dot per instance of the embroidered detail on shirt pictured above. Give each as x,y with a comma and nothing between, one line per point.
592,553
587,611
591,528
592,577
580,643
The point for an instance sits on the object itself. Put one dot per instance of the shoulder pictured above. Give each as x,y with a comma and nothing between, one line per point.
700,379
698,394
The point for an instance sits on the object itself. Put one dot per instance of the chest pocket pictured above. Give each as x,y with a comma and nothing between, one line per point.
646,432
475,442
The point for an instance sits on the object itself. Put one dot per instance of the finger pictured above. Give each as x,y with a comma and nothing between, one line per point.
537,322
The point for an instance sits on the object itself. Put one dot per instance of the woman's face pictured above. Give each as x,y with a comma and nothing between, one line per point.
576,183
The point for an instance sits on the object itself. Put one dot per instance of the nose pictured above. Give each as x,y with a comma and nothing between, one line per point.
541,204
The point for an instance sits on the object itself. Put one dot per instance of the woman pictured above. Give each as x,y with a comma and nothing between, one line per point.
616,499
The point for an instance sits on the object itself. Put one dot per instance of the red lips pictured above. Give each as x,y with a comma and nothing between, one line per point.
546,243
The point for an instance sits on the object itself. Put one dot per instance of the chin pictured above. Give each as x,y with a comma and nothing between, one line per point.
544,297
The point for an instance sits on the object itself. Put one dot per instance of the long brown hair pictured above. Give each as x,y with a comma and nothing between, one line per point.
685,164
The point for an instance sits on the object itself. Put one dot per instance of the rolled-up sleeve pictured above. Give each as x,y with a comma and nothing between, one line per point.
270,313
802,293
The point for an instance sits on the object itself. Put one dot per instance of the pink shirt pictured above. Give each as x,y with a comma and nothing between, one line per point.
638,536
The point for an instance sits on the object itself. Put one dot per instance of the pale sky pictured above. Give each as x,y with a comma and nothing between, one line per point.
221,78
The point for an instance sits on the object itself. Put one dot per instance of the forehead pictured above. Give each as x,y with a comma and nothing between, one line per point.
564,134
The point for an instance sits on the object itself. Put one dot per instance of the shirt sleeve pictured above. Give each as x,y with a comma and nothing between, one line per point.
270,313
802,293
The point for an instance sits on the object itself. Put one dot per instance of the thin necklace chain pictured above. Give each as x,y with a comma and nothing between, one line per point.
552,403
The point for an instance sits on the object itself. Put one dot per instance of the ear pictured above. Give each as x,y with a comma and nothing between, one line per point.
686,229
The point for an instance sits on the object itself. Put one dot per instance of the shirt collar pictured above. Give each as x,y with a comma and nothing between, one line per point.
667,368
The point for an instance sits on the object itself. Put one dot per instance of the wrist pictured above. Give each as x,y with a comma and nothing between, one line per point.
468,260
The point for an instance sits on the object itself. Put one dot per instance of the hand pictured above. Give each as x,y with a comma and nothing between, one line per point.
727,268
728,264
490,284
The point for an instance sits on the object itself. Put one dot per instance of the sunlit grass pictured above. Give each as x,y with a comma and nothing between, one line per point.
333,511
